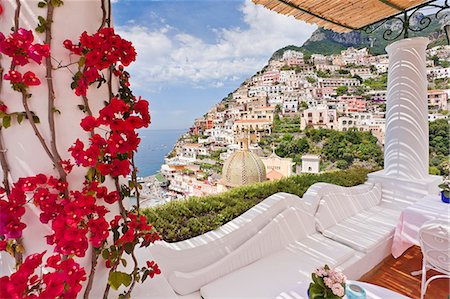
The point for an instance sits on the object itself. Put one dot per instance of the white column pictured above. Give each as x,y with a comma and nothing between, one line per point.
406,138
405,176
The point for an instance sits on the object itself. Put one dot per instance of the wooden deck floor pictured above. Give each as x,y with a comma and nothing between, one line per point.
395,274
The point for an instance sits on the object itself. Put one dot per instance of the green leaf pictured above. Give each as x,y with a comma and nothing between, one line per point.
82,61
116,279
124,262
114,254
56,110
145,275
41,20
74,85
36,119
115,234
20,118
42,4
105,254
56,3
6,121
128,247
316,292
40,29
90,174
81,107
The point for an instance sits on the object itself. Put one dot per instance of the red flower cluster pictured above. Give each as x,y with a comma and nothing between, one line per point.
3,107
11,211
107,154
80,215
76,217
64,282
19,46
153,268
28,79
100,51
137,228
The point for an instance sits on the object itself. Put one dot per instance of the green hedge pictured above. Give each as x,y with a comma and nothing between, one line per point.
184,219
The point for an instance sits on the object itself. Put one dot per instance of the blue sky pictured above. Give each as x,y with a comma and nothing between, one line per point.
191,54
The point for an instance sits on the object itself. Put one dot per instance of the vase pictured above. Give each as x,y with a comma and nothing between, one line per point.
444,198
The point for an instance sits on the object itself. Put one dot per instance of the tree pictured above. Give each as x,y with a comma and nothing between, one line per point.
342,164
359,90
342,90
311,79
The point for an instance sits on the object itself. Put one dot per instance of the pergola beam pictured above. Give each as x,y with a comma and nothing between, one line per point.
296,7
389,3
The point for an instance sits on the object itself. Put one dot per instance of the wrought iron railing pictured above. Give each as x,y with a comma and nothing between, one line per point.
406,19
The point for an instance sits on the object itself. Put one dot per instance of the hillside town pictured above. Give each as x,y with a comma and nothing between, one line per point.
292,93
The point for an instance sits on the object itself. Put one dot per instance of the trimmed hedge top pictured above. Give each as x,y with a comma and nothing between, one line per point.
184,219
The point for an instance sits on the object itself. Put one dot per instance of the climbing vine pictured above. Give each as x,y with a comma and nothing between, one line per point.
77,216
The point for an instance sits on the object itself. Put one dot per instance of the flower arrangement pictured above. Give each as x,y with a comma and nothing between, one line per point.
327,283
445,190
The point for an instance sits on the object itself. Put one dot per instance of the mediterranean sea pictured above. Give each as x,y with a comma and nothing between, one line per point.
154,146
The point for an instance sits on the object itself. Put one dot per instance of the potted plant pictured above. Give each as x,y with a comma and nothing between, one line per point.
445,190
327,284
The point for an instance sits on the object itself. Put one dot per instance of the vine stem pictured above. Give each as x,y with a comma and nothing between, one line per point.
3,161
86,105
19,242
16,16
33,125
51,99
123,212
136,187
103,14
135,269
94,260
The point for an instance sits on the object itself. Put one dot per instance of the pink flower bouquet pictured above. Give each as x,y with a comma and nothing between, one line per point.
327,283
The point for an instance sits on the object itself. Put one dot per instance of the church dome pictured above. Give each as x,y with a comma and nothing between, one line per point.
243,168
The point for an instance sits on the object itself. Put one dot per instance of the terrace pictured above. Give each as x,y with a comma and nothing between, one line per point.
234,256
272,249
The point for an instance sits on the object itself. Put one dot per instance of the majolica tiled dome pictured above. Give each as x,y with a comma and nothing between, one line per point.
243,168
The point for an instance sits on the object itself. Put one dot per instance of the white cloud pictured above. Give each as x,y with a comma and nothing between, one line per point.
171,55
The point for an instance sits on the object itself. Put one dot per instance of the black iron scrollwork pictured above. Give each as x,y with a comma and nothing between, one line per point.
408,21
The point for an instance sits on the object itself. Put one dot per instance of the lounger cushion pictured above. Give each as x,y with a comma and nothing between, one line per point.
289,226
336,207
360,233
275,273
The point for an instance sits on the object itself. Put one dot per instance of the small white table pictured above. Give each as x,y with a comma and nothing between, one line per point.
372,291
413,217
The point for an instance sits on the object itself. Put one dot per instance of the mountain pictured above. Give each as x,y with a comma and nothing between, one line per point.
328,42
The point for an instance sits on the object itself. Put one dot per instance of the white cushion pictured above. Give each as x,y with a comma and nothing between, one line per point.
318,246
290,225
359,234
384,216
336,207
273,274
